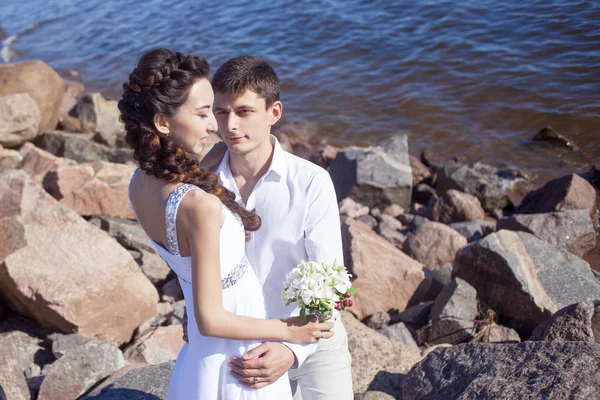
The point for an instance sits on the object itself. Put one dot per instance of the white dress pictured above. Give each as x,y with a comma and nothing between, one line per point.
201,371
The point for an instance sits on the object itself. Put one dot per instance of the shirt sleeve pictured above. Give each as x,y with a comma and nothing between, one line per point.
322,237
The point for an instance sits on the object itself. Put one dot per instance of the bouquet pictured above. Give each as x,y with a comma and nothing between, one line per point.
318,288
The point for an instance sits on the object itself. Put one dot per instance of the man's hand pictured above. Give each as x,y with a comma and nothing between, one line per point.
262,365
213,158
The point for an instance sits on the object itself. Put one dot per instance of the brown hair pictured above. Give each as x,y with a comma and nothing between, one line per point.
247,73
161,83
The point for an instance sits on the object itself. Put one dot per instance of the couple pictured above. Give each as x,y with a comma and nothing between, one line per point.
232,236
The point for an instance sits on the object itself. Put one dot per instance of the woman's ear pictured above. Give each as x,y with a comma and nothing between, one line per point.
161,123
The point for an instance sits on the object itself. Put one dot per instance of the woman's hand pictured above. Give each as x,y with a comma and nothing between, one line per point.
309,331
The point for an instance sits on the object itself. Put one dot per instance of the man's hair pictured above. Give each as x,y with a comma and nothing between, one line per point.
247,73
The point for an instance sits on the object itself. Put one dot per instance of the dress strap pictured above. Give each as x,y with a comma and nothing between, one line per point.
171,215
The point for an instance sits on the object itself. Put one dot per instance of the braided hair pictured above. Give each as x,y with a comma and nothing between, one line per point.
161,83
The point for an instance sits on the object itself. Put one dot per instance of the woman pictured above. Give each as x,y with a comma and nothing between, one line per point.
167,111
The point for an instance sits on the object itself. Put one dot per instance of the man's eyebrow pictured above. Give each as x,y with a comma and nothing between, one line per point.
244,106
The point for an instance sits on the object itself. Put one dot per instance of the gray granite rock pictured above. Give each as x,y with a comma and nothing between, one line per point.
148,383
399,333
62,344
474,230
572,230
573,323
374,176
530,370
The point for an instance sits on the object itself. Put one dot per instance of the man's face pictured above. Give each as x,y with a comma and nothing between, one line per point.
245,121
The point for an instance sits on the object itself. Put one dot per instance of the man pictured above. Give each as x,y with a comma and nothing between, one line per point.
300,221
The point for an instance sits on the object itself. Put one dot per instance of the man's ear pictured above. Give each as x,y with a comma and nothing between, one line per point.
276,112
161,123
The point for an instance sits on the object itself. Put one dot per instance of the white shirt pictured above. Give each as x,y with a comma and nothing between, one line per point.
297,204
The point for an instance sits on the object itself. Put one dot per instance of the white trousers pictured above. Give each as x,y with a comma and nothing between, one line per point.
326,374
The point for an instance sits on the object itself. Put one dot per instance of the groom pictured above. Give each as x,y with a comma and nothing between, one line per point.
300,221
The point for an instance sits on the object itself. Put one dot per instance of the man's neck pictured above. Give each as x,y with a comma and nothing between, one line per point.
253,165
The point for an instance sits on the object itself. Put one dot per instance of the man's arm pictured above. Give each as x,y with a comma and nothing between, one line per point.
322,237
213,158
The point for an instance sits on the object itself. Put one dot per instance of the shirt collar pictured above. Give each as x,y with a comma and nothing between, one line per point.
278,164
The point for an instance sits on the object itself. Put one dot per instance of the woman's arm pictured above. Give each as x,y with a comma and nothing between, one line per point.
200,216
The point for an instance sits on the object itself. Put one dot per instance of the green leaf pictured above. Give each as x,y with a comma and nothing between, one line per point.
352,290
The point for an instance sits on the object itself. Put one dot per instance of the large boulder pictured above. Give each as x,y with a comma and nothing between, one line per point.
385,278
98,188
455,206
480,180
94,108
434,244
38,162
571,192
374,176
41,82
147,383
54,267
453,314
79,369
80,148
474,230
13,385
573,323
572,230
19,119
372,352
530,370
526,278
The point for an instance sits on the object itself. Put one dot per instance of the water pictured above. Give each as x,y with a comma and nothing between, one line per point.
470,78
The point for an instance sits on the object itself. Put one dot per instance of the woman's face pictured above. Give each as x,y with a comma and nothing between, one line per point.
193,123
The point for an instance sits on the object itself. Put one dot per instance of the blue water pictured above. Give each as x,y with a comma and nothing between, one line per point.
471,78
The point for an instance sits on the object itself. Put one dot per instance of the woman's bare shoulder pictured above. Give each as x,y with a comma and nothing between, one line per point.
198,203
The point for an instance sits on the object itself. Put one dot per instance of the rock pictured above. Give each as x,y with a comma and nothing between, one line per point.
393,210
572,230
390,229
368,220
385,278
19,118
455,206
298,132
399,333
13,385
353,209
79,369
376,353
94,108
549,135
453,314
98,188
160,345
51,273
62,344
41,82
419,170
415,315
444,273
171,291
9,159
148,383
530,370
571,324
75,125
421,210
499,334
374,176
527,279
377,320
154,267
325,155
480,180
434,244
424,194
285,143
474,230
38,162
571,192
176,318
79,148
26,349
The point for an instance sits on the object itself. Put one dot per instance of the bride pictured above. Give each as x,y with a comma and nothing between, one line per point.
199,229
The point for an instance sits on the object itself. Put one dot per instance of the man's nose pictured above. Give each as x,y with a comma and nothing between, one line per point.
232,122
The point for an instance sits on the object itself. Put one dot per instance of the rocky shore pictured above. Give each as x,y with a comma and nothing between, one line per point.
471,282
